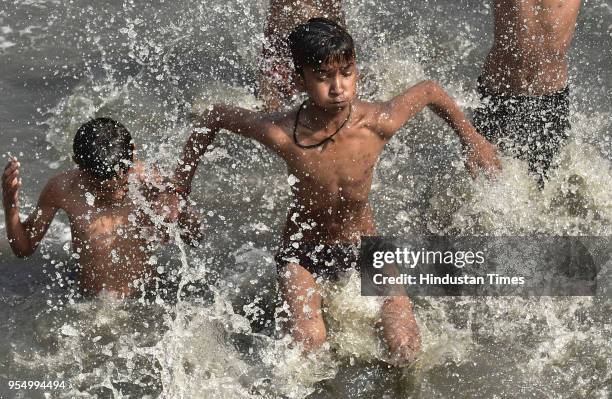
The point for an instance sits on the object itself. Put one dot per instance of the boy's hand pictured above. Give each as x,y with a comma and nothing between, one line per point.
481,154
191,225
170,206
174,209
11,184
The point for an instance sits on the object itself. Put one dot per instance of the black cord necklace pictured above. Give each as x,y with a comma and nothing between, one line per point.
325,140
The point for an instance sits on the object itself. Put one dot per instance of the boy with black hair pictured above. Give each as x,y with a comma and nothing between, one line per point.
109,238
276,86
331,144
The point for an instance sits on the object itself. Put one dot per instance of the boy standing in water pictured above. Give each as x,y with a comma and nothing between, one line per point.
331,144
524,80
109,240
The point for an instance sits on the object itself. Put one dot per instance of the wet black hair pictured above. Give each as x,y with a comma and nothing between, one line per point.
318,42
102,147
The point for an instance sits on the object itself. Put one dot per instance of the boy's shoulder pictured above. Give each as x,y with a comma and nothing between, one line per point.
279,125
62,186
280,119
147,176
65,180
366,108
366,113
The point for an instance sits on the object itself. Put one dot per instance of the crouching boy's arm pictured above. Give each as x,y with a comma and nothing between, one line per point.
24,237
395,113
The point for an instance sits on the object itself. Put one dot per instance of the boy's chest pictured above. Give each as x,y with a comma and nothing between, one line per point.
342,165
93,223
350,155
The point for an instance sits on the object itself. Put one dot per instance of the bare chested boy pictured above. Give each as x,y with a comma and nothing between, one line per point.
111,236
524,80
331,144
276,86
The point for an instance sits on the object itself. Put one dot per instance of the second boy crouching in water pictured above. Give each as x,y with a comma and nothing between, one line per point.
331,144
112,236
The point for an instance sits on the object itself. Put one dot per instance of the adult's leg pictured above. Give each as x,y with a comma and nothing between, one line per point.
301,293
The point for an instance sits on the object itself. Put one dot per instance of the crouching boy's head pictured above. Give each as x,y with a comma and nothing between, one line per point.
324,58
104,150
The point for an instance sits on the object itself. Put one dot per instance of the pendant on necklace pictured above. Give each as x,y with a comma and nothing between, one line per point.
325,143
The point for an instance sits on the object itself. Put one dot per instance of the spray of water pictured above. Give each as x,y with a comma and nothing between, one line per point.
215,333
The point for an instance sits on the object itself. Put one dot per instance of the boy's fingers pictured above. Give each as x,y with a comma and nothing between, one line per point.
10,174
6,182
495,164
11,166
13,176
11,186
498,162
14,193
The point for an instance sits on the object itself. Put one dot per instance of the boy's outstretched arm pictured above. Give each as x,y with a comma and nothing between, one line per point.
237,120
191,226
197,144
174,212
25,237
396,112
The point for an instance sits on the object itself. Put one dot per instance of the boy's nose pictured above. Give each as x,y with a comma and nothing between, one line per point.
336,87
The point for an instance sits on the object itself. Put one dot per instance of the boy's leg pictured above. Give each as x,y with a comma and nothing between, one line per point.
301,292
400,329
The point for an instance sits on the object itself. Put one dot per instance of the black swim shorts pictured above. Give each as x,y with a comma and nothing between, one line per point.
324,260
531,128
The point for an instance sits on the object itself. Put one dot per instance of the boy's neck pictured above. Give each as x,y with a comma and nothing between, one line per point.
107,197
317,117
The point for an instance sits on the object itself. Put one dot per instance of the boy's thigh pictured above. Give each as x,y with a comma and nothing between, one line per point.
301,292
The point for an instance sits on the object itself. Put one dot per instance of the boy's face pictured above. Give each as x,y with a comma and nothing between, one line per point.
331,87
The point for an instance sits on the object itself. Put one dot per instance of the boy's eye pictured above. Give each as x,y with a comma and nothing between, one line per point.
347,72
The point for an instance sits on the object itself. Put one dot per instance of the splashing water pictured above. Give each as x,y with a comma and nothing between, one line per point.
210,329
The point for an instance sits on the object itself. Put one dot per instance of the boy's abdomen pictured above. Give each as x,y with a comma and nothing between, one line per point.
331,225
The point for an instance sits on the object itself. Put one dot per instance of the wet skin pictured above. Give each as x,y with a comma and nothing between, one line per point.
530,45
111,236
330,203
